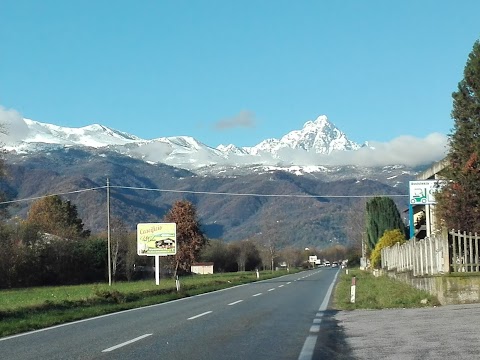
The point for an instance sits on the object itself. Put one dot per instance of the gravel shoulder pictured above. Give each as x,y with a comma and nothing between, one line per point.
448,332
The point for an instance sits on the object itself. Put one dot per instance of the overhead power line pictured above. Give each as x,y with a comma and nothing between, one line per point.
48,195
253,194
201,193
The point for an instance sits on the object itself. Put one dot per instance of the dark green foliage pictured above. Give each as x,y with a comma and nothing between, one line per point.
49,260
458,204
382,215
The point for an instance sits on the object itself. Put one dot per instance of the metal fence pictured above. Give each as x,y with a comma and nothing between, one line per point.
454,251
464,252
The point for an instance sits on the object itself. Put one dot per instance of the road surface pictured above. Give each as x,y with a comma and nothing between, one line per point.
280,318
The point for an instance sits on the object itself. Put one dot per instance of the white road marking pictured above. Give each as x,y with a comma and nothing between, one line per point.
308,348
126,343
309,345
280,286
271,289
315,328
199,315
257,294
235,302
289,282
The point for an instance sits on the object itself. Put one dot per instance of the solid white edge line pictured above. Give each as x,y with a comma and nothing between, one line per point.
324,305
308,348
315,328
199,315
126,343
235,302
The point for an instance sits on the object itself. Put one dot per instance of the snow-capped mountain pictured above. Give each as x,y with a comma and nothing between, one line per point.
316,137
319,136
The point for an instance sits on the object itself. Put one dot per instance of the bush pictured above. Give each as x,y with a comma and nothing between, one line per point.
389,238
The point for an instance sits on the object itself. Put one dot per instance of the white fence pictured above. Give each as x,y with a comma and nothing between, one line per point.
423,257
443,253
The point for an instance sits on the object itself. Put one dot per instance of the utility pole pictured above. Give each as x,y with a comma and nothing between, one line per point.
109,255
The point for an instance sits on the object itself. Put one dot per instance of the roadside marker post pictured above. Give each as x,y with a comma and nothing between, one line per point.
177,284
352,290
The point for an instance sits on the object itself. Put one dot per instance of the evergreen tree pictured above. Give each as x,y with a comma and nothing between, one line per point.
458,204
382,215
190,238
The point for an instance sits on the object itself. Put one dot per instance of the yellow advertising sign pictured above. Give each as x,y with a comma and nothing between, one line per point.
157,239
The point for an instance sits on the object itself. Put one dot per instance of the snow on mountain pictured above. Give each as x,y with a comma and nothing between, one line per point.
318,144
92,136
319,136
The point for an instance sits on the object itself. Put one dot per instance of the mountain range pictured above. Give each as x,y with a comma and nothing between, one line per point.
290,187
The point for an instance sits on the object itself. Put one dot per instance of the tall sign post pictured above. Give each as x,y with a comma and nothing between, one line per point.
157,239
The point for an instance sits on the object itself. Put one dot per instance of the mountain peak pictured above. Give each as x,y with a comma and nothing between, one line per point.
319,136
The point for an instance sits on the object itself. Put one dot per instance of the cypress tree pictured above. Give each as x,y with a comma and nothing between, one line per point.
458,204
382,215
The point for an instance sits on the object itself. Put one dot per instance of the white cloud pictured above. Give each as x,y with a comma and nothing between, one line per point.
14,128
403,150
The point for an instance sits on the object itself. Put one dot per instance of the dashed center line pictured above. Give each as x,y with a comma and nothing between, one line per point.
280,286
199,315
235,302
126,343
271,289
257,294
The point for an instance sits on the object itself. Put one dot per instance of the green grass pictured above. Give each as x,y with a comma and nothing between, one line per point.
35,308
378,293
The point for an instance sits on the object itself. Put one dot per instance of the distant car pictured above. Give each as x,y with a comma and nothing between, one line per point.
334,264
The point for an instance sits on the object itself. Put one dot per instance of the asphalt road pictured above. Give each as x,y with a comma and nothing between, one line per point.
281,318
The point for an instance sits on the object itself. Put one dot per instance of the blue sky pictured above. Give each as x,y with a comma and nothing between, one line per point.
237,71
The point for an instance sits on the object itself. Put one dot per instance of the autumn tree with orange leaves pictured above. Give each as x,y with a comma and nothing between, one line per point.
190,238
458,204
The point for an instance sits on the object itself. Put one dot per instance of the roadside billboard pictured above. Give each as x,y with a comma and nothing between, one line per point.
156,239
423,192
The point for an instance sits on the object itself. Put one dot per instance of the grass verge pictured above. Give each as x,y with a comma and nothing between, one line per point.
378,293
36,308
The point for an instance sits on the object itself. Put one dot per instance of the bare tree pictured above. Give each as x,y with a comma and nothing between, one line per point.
190,238
119,245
